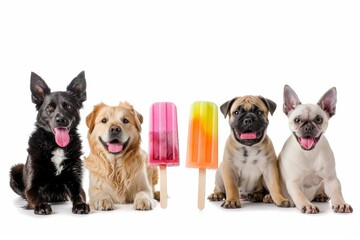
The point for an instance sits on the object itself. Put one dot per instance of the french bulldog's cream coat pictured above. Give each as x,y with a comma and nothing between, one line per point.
306,162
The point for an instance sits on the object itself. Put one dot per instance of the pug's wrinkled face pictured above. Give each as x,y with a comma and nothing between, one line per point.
248,118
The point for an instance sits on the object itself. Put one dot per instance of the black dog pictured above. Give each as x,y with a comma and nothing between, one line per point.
53,169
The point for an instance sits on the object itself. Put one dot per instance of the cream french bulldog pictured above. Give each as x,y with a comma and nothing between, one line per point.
306,161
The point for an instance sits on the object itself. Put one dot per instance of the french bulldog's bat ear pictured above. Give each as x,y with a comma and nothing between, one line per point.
291,100
78,87
271,105
328,102
225,107
39,89
137,116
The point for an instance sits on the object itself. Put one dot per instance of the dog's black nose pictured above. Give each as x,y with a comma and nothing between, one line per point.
115,129
309,127
247,121
61,120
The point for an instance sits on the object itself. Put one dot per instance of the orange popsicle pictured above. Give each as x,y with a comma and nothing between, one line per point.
202,149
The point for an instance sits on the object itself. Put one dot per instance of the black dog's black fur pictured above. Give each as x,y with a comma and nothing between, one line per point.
53,169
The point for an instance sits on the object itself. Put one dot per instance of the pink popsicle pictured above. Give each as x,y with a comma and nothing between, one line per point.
163,142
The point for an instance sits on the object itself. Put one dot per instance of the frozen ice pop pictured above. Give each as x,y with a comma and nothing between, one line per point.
202,148
163,142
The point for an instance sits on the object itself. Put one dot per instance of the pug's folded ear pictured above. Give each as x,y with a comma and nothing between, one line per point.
225,107
271,105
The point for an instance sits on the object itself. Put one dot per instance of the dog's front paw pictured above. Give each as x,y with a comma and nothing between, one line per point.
285,203
231,204
311,209
103,204
217,196
282,202
143,204
43,209
342,208
81,208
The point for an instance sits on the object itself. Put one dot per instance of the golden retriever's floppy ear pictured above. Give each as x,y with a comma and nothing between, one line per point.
138,118
90,119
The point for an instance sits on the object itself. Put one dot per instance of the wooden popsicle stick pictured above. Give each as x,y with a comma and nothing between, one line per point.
201,190
163,187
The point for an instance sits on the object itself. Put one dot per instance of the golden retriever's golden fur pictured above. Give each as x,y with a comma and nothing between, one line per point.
117,165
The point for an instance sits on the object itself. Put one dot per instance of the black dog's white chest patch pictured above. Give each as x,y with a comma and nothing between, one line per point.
57,159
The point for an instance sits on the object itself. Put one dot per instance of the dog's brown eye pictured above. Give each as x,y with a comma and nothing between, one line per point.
50,108
125,121
103,120
297,120
237,112
68,106
259,112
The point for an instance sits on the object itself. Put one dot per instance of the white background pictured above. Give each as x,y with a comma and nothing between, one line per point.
182,51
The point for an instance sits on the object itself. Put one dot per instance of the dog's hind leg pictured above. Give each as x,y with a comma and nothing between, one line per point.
157,195
257,196
16,179
268,199
219,189
320,195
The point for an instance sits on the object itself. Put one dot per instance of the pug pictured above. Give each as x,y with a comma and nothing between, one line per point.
306,161
249,167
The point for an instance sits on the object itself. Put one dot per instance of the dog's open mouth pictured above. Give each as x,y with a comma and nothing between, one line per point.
114,146
248,138
247,135
62,137
307,143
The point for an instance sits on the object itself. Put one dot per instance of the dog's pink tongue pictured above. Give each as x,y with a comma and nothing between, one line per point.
62,137
307,143
115,147
251,135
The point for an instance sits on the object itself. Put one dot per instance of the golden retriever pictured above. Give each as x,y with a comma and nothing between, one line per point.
117,165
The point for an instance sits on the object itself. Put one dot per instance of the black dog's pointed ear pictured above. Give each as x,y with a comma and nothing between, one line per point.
225,107
39,89
271,105
78,87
